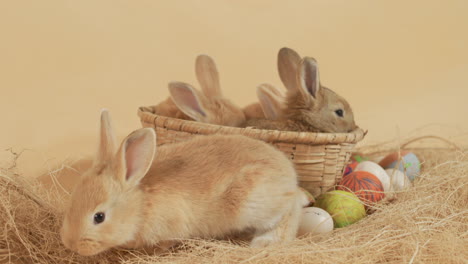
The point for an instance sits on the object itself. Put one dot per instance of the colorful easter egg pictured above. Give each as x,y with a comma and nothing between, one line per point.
376,170
310,198
364,184
409,163
315,220
344,207
350,168
398,180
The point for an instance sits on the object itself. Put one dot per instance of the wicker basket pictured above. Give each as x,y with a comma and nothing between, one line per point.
319,158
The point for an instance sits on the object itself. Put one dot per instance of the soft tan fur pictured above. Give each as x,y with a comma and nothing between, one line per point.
253,111
206,187
169,108
261,110
309,106
208,106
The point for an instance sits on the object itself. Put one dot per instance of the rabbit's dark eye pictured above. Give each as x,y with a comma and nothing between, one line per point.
99,218
339,112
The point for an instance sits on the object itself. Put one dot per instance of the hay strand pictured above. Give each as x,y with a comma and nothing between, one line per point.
425,224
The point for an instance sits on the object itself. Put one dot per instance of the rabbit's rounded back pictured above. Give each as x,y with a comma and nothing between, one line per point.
206,187
208,106
240,188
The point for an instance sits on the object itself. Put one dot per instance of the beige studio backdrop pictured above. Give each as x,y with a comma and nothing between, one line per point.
402,65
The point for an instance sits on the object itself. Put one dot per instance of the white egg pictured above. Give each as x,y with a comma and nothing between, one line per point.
376,170
398,180
315,220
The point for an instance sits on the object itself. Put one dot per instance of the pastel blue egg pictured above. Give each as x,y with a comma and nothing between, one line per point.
410,165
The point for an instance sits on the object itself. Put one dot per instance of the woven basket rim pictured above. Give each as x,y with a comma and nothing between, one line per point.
146,114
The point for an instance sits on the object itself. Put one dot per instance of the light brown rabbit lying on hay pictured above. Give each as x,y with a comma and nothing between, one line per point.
308,105
206,187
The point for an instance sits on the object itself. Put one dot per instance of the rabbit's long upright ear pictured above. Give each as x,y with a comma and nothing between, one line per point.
309,79
272,90
135,156
188,100
207,75
270,101
288,64
107,143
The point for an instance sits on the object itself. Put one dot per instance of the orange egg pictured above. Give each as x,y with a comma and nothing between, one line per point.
364,184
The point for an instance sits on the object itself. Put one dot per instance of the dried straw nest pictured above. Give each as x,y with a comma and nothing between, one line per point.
426,224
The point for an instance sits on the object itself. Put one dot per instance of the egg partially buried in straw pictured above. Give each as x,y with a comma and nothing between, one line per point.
398,180
344,207
409,163
376,170
315,221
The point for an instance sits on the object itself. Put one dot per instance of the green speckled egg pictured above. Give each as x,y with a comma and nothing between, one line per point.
344,207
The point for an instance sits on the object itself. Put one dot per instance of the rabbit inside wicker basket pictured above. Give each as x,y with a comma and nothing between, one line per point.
208,106
307,106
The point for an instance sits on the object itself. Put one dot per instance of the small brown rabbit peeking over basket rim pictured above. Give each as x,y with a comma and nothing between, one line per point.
208,105
308,106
